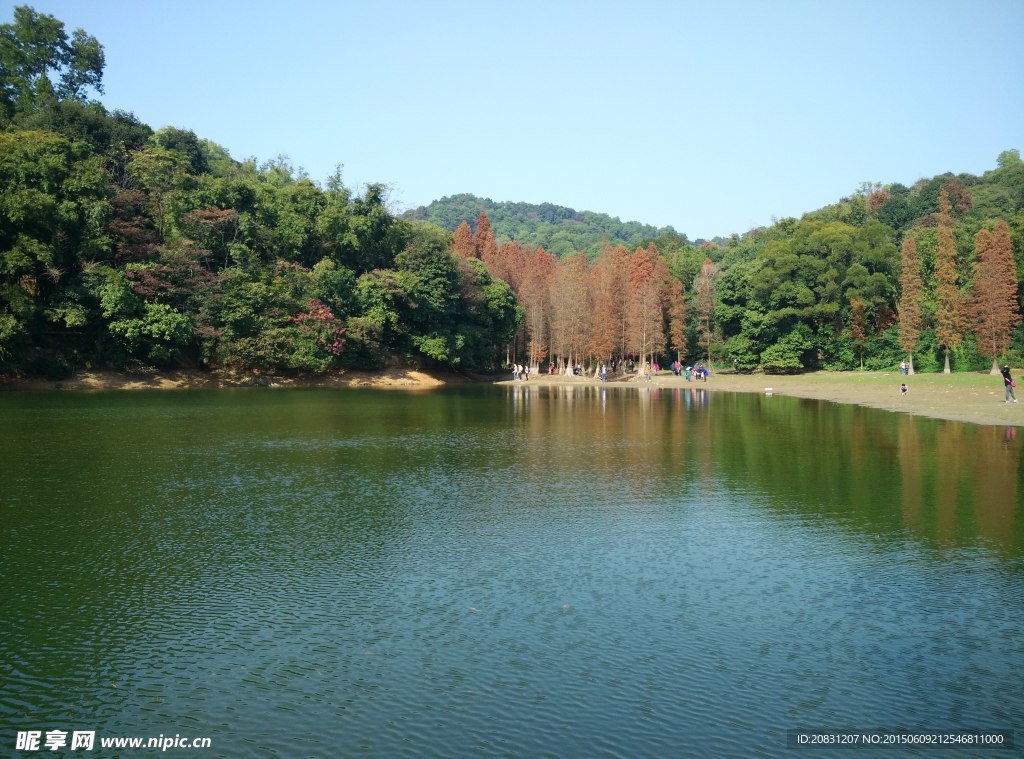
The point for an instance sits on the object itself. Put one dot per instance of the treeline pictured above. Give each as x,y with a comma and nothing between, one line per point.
122,246
928,274
887,274
559,230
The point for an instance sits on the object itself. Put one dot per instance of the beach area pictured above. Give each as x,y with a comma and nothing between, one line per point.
975,397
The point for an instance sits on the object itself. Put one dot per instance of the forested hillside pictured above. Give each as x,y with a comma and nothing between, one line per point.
929,274
561,230
122,246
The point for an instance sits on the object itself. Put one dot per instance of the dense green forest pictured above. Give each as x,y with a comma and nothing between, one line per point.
122,246
561,230
126,247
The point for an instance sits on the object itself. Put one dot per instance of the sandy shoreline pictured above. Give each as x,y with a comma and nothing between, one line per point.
964,397
157,380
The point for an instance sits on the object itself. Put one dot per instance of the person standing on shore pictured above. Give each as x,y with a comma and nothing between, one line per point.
1009,384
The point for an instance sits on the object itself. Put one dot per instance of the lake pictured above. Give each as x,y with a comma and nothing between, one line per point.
503,571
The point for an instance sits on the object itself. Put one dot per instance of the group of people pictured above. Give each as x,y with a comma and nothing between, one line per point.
698,372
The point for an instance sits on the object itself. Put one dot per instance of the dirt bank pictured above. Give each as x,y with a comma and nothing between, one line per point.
156,380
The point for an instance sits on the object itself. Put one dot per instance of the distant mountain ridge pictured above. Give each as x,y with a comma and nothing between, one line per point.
558,229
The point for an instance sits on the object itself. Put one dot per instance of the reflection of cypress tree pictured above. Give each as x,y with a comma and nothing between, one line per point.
911,476
873,471
948,482
997,485
860,470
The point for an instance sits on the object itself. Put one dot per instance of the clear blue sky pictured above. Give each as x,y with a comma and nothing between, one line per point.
710,116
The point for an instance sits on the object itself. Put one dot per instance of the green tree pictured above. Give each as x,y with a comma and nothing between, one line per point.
435,293
317,338
379,328
704,288
53,210
159,172
156,334
185,143
488,316
375,238
41,64
789,353
858,328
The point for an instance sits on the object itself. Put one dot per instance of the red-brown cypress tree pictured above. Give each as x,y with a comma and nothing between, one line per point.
909,307
485,243
534,296
570,308
607,284
996,310
949,312
645,316
463,243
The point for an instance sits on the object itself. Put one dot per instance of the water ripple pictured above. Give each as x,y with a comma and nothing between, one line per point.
433,579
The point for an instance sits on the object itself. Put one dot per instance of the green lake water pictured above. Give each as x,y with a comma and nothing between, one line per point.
503,571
